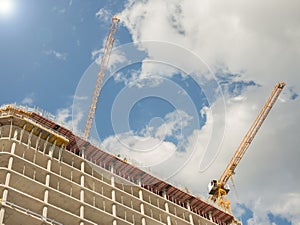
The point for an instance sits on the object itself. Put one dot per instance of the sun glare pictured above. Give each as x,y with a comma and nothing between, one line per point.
6,7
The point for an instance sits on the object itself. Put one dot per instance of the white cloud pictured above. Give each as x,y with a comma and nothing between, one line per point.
56,54
104,15
261,39
174,122
29,99
152,73
116,57
149,151
224,32
96,53
63,115
71,119
260,217
289,206
149,146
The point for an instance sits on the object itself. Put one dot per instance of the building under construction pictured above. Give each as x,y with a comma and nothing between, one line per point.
48,175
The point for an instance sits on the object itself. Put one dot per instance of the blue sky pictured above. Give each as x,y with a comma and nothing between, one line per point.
49,45
180,98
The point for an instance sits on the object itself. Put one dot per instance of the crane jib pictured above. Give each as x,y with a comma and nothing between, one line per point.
219,189
99,82
253,131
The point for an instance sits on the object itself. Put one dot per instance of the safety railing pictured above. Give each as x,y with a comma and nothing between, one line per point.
29,212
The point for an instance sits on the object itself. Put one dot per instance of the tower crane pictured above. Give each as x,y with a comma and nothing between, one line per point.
103,67
218,189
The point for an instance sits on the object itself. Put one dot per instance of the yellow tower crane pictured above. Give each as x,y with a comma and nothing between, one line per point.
103,67
218,189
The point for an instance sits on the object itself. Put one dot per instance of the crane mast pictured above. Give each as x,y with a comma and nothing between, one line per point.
103,67
219,189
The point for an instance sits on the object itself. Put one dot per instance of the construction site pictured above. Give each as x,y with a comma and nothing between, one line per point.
50,175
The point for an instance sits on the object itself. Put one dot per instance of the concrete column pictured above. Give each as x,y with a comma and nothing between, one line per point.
82,192
3,201
82,180
210,216
82,167
141,194
167,208
139,182
22,133
38,141
81,206
190,215
82,195
10,162
15,134
81,212
114,210
142,209
112,179
4,196
10,128
45,208
29,138
114,207
61,151
113,195
191,219
49,165
46,196
45,144
168,217
47,184
46,193
7,180
83,152
45,211
52,148
13,148
2,212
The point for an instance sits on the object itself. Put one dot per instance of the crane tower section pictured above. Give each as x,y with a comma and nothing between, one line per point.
103,68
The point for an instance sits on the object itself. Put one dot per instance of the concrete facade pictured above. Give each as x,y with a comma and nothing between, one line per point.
41,182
